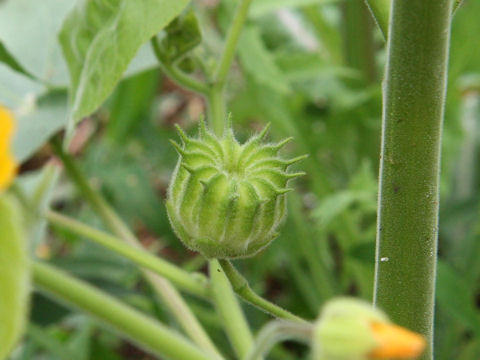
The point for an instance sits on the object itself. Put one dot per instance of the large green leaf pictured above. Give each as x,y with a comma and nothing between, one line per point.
100,38
7,58
37,124
456,297
28,29
259,62
14,275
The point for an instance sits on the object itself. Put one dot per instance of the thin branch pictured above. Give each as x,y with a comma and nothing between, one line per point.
243,289
194,284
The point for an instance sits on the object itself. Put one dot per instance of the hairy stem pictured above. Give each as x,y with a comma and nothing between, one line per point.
231,42
275,332
217,111
171,297
241,287
230,311
414,97
215,98
194,284
140,329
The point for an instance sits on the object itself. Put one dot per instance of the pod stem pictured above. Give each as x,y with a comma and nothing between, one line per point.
236,326
414,97
242,288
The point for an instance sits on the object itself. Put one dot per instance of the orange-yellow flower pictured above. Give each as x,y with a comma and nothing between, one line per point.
395,342
8,166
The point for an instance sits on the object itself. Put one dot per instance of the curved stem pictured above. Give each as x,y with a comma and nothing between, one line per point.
241,287
176,75
275,332
194,284
132,324
230,311
171,297
414,96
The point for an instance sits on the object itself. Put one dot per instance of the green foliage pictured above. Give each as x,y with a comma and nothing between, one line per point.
291,69
99,39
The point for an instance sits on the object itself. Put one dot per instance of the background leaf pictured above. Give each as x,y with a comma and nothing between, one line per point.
99,39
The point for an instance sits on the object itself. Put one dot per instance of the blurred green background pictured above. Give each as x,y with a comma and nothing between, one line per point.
313,69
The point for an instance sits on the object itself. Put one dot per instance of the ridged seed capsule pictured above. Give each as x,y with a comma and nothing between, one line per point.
226,199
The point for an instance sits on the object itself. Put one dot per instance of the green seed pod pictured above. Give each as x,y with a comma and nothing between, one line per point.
226,199
14,276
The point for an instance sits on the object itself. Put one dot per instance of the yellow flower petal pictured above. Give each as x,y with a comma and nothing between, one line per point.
8,165
396,342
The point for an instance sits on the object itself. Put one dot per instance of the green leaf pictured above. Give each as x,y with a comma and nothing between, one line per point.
456,297
259,62
262,7
14,276
29,29
36,125
180,37
9,60
100,38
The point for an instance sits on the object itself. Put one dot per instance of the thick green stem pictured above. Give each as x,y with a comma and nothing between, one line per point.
194,284
414,97
241,287
140,329
230,311
171,297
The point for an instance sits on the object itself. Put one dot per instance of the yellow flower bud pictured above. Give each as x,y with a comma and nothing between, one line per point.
350,329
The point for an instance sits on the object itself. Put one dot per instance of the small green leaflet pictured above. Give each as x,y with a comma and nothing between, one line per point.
100,38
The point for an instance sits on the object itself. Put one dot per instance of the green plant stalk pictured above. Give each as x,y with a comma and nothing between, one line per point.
229,309
414,97
194,284
172,299
140,329
275,332
231,43
241,287
215,98
216,108
380,10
